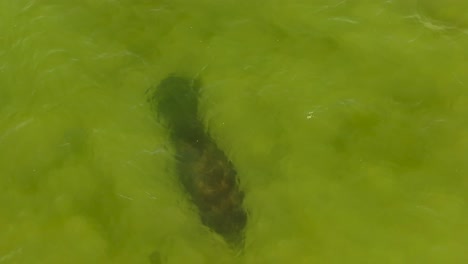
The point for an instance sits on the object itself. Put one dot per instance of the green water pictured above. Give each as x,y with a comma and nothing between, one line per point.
346,121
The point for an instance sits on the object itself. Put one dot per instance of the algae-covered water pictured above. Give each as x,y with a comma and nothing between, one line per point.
346,121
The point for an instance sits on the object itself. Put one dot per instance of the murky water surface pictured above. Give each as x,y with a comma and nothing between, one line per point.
346,122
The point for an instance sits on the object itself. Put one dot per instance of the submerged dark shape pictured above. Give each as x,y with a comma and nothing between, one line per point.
205,172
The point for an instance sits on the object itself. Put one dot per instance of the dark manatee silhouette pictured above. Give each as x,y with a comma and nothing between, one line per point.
204,171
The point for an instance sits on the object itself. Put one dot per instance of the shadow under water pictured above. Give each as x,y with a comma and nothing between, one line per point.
203,169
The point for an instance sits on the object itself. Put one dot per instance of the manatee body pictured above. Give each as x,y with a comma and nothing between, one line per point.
203,169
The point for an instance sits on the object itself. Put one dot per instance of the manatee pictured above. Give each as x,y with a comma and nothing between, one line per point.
203,169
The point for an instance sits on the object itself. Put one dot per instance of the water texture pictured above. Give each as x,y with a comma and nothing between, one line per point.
346,122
